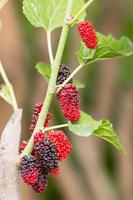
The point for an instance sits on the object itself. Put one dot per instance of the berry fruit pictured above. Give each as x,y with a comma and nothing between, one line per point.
61,142
35,116
63,74
46,152
55,172
88,34
42,182
23,145
39,136
29,169
69,101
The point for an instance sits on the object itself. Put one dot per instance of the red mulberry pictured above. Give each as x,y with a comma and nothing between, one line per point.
63,74
69,101
88,34
61,142
29,169
35,116
42,182
23,145
39,136
55,172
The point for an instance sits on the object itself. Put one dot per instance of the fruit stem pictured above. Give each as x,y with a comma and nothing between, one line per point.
70,77
52,81
84,7
9,86
55,127
50,47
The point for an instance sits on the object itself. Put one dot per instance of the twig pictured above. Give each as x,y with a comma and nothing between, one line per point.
80,12
50,47
56,127
9,86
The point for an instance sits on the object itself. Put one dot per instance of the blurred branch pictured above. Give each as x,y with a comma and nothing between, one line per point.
125,163
2,3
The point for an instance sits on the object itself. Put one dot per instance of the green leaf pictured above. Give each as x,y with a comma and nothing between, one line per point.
78,84
49,14
106,132
4,93
108,47
87,126
44,69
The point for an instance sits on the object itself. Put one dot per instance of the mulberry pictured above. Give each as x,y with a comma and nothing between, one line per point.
69,101
61,142
88,34
35,116
63,74
29,169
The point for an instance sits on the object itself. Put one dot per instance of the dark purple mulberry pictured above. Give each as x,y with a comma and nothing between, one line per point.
46,152
63,74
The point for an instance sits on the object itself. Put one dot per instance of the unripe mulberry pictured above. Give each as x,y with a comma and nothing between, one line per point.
29,169
63,74
46,152
42,182
61,142
35,116
69,101
39,136
88,34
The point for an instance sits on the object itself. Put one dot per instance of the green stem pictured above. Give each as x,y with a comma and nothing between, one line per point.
9,86
70,77
80,12
52,81
50,47
55,127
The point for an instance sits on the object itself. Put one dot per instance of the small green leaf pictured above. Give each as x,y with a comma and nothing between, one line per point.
44,69
49,14
78,84
4,93
108,47
87,126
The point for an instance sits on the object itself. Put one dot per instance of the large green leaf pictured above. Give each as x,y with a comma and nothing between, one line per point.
108,47
43,69
49,14
87,126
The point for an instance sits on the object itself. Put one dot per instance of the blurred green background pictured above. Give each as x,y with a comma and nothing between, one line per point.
95,170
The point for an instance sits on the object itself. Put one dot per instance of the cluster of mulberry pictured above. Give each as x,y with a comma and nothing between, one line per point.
54,146
48,150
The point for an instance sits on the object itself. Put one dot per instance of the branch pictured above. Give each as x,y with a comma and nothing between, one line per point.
52,81
55,127
2,3
9,86
70,23
50,47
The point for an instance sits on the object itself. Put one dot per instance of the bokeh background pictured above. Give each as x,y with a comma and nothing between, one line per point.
95,170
